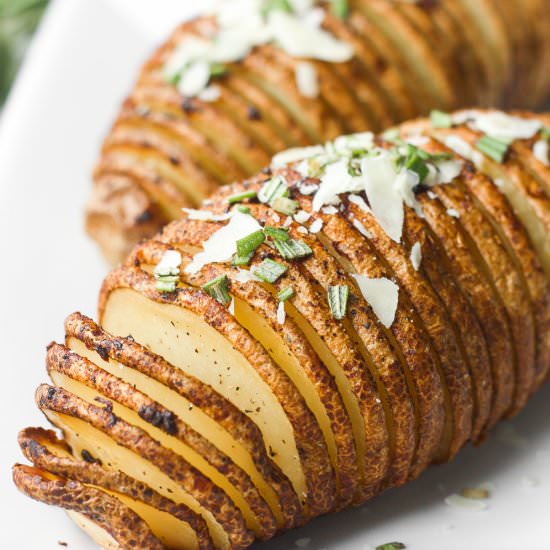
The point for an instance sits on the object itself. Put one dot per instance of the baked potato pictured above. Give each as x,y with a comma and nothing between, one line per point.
313,336
172,145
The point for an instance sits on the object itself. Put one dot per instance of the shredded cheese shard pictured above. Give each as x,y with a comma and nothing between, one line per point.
506,127
382,295
541,151
416,256
386,202
222,245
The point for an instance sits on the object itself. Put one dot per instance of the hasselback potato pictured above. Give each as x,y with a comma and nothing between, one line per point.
312,337
229,90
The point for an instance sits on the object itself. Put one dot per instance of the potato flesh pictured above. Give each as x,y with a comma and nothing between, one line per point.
94,531
524,211
350,402
169,442
274,345
204,353
191,415
82,436
174,533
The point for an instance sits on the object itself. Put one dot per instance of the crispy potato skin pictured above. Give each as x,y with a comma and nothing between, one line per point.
134,356
409,58
126,527
369,406
39,446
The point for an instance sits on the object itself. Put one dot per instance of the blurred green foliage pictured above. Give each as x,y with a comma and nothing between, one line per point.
18,20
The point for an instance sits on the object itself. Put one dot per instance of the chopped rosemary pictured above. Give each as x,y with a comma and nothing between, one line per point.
248,245
167,272
269,270
391,546
276,5
440,119
338,300
285,294
277,233
273,189
416,160
217,69
218,288
284,205
339,8
238,261
167,284
239,197
292,249
492,147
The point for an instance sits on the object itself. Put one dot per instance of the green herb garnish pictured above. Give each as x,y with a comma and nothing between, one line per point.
243,209
391,546
292,249
440,119
545,133
339,8
338,300
217,69
218,288
239,197
239,261
269,270
492,147
283,205
274,188
285,294
277,233
417,160
248,245
167,284
276,5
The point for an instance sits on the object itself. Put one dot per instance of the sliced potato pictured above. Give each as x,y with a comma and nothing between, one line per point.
108,521
174,525
199,405
264,393
89,382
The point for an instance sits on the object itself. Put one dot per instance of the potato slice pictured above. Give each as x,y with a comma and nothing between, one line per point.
528,199
392,383
89,382
199,405
492,202
412,47
192,179
502,274
196,321
108,521
193,234
387,67
162,191
120,446
174,525
119,213
436,321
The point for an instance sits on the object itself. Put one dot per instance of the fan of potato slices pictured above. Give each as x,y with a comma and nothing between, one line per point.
308,339
229,90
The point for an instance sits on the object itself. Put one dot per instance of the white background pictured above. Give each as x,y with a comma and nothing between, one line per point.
80,66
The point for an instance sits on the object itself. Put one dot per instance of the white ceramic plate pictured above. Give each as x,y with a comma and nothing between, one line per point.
80,66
